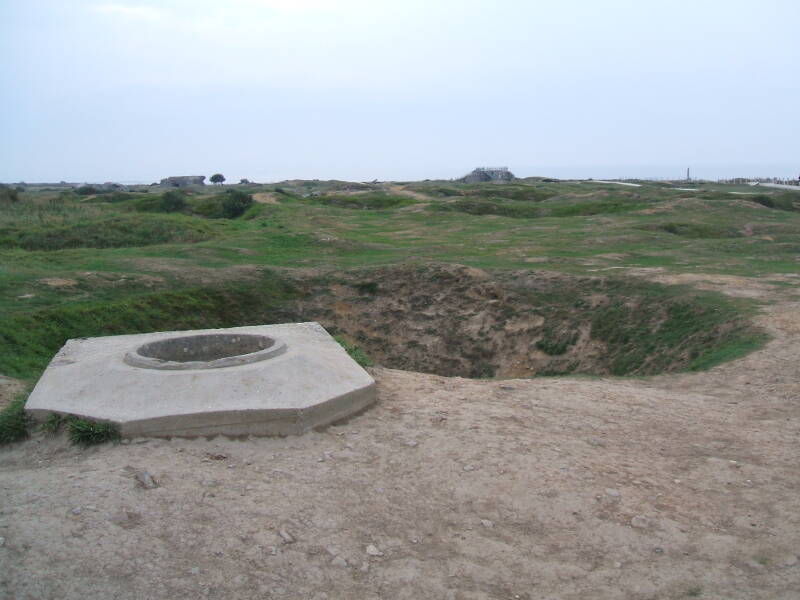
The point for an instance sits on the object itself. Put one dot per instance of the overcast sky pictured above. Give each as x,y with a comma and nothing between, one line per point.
136,90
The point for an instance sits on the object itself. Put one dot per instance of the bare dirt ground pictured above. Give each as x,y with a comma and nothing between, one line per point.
265,198
675,486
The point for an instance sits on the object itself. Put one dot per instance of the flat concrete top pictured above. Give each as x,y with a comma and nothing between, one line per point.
90,377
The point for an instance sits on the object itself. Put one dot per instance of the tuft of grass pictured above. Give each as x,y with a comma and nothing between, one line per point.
14,421
356,353
53,423
84,432
556,343
367,287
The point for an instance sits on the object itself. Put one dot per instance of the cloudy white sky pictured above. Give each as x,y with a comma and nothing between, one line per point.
136,90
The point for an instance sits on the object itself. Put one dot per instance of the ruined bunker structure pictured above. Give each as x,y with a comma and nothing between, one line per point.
488,174
255,380
183,181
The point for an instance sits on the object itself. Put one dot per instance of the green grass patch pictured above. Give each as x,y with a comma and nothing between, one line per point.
14,421
365,201
649,329
695,230
526,210
29,340
355,352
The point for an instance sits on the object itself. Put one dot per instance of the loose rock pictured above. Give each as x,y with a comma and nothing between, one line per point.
372,550
286,537
640,522
145,480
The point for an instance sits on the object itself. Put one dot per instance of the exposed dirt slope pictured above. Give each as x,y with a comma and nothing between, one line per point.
460,321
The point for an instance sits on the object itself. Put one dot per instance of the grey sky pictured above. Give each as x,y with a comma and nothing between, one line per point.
136,90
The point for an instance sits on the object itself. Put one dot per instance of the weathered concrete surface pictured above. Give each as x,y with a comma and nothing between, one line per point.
312,383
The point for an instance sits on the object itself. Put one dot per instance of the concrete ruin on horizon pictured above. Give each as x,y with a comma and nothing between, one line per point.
488,174
183,181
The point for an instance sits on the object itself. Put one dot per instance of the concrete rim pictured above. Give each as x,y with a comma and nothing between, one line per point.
135,359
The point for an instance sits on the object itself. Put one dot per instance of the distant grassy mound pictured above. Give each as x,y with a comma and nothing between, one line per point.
367,200
519,193
108,232
788,201
527,210
695,230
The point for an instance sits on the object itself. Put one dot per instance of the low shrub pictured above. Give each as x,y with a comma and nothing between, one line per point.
235,203
8,194
86,190
173,201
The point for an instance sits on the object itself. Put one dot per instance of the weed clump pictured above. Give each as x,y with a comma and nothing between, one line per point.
14,421
84,432
356,353
53,423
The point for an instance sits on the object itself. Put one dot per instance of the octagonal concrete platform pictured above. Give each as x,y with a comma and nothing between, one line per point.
297,377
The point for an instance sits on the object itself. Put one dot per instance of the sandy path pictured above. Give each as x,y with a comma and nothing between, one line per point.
265,198
667,487
617,183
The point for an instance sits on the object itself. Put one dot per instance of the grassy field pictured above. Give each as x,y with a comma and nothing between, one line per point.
123,262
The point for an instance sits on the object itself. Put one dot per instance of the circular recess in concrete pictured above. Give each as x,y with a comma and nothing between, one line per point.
209,351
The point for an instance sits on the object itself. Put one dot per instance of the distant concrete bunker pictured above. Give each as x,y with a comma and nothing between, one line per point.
259,380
